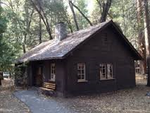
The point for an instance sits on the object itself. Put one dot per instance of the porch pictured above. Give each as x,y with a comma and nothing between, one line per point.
42,74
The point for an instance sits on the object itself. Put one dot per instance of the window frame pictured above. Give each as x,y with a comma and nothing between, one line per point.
81,72
108,76
101,73
52,72
110,73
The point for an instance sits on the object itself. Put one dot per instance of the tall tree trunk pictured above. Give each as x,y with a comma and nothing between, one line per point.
146,23
141,38
40,30
74,15
40,26
100,7
105,9
147,34
24,43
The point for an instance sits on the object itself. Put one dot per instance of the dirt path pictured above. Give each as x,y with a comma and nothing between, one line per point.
132,100
10,104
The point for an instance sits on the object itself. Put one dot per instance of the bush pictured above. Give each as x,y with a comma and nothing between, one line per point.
21,75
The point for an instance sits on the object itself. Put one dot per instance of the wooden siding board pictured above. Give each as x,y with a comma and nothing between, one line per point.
60,74
92,54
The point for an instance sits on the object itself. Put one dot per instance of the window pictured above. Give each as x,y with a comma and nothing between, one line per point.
109,71
81,72
106,71
53,72
103,71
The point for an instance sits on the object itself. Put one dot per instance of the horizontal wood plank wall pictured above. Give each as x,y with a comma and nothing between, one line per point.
94,52
60,74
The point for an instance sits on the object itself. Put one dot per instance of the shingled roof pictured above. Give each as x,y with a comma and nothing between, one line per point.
54,49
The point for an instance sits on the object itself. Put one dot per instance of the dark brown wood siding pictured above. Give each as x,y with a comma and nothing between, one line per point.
60,74
105,47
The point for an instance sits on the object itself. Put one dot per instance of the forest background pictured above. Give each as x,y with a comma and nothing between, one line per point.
27,23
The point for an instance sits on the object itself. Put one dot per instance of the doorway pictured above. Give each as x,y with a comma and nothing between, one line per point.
38,76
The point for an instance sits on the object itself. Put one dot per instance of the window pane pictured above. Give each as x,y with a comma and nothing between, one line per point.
52,72
102,71
109,71
81,71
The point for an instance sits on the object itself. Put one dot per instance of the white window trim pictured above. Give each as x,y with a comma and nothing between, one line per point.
82,80
108,76
52,75
103,78
106,73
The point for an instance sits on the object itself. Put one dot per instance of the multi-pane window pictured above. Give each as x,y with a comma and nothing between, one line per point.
53,72
106,71
81,74
109,71
103,71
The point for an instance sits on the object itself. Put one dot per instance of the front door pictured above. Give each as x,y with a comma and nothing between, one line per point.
39,76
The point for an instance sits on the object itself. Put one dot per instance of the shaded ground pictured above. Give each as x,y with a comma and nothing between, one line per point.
9,103
123,101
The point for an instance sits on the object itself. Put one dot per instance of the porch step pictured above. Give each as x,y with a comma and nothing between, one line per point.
48,89
43,88
49,85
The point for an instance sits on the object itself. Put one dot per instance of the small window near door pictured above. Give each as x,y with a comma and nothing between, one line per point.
106,71
53,72
81,74
103,71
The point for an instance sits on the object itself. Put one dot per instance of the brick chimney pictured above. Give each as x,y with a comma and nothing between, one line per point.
60,31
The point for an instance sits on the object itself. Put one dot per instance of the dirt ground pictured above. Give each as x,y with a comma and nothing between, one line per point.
124,101
132,100
9,103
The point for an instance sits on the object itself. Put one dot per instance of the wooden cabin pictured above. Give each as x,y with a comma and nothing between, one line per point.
96,59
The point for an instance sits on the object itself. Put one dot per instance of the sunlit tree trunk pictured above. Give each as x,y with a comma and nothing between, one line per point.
146,23
147,34
141,37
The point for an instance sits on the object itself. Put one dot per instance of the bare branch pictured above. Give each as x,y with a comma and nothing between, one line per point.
74,15
81,13
43,17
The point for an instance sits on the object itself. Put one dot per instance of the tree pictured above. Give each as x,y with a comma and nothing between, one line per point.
38,7
141,37
6,52
85,17
74,15
104,6
146,23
